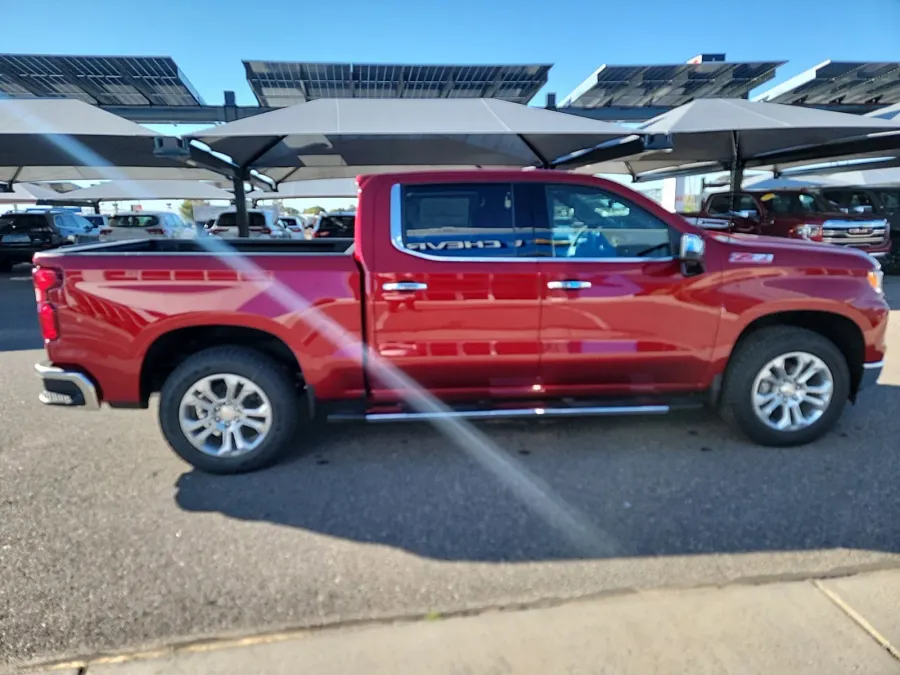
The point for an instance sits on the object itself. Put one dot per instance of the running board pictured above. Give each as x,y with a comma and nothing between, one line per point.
514,413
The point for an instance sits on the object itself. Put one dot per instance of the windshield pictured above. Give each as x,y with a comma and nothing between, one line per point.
795,203
337,226
133,221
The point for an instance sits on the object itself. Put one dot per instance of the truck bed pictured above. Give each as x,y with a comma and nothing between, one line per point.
214,245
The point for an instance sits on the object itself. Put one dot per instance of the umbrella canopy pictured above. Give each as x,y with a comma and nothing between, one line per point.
725,130
123,190
330,135
29,193
310,189
64,139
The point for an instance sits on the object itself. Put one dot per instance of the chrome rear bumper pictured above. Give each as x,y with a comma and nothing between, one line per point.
66,388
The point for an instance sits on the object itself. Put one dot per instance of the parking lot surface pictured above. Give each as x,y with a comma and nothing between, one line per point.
109,542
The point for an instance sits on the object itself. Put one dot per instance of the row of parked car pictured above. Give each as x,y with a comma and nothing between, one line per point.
22,234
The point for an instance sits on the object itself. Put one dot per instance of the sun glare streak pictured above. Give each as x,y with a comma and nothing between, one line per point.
535,494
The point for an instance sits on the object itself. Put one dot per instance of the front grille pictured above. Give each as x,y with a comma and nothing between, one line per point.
854,233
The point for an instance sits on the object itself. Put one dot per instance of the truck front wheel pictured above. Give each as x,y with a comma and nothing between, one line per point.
229,410
785,386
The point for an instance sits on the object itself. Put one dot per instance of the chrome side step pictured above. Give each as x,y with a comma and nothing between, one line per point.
513,413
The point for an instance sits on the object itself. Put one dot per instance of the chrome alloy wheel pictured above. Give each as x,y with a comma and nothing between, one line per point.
225,415
791,392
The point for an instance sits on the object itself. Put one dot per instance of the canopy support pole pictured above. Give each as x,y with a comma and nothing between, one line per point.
737,169
240,204
544,162
97,207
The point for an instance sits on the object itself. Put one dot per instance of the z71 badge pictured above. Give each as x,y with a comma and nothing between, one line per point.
752,258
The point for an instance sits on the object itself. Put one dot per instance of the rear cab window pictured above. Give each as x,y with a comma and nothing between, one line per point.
336,226
21,223
729,203
456,220
132,221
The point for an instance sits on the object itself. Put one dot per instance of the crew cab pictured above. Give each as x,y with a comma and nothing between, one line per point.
465,294
798,214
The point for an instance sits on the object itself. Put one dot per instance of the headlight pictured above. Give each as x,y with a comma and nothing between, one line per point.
876,279
807,231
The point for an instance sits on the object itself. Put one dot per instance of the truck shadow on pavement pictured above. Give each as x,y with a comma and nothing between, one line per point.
649,487
18,317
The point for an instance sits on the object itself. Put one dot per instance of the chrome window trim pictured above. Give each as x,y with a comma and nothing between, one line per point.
396,222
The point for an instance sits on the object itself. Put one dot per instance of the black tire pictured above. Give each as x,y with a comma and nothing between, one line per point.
890,263
736,404
272,379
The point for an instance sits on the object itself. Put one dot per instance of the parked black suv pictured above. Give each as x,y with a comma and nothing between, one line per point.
24,234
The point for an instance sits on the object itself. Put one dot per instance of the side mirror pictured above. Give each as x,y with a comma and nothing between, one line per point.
690,253
72,239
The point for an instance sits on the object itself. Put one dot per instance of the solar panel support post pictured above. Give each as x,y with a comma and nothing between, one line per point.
240,205
544,162
737,169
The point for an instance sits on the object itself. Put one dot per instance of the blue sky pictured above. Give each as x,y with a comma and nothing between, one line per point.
208,38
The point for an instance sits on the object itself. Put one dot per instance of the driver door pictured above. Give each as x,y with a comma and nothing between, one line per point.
618,317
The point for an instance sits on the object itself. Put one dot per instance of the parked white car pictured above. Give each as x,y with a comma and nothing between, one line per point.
294,225
263,225
146,225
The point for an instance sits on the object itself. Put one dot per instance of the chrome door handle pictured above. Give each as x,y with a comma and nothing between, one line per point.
404,286
568,285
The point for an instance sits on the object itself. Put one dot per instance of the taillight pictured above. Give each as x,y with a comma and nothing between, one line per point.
105,230
218,230
44,278
155,230
265,230
47,320
320,234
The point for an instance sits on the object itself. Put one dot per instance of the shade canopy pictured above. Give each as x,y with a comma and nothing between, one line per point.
123,190
310,189
864,178
892,112
64,139
330,135
723,130
29,193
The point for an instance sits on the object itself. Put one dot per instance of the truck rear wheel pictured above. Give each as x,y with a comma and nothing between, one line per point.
229,410
785,386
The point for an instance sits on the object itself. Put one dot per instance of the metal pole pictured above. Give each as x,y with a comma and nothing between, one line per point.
97,207
737,169
240,205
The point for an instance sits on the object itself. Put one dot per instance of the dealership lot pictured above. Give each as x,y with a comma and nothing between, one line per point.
108,541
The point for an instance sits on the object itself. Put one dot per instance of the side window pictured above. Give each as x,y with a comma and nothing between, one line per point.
587,222
457,220
719,205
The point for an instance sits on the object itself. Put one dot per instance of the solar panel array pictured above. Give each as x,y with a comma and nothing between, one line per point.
833,82
670,85
99,80
279,84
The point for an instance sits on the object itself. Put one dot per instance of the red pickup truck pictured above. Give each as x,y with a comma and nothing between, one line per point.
479,294
798,214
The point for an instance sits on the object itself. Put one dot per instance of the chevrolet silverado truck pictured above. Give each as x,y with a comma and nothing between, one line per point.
877,202
479,294
799,214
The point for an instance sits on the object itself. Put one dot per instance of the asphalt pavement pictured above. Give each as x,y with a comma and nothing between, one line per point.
108,542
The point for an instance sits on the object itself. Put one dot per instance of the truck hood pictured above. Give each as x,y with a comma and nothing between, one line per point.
791,251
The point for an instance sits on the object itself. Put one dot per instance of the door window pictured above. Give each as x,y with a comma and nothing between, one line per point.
587,222
722,205
457,220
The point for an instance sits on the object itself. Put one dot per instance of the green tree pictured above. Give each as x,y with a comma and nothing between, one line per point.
187,211
314,210
290,211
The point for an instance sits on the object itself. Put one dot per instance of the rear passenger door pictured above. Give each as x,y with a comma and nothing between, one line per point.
450,305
